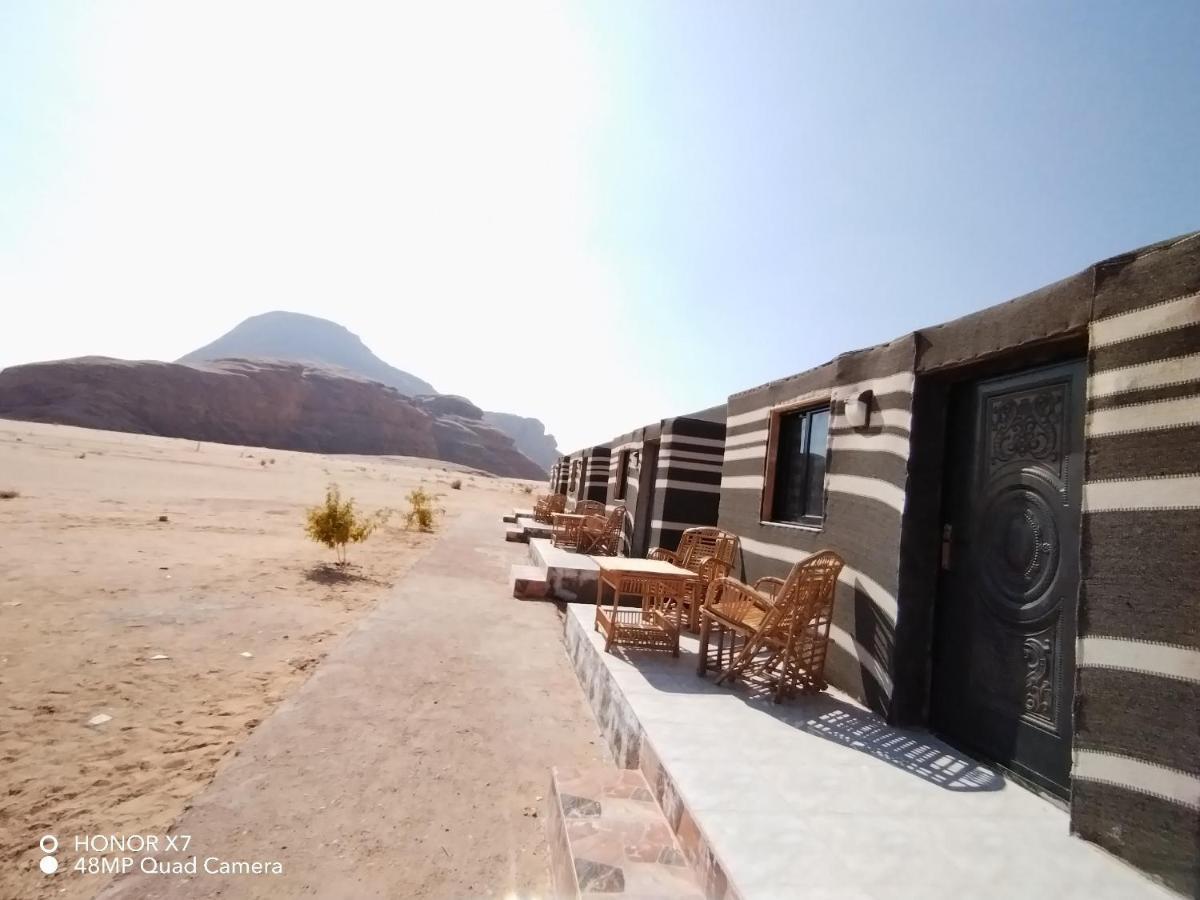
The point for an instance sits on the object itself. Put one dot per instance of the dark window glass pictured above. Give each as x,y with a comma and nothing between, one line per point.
622,474
800,466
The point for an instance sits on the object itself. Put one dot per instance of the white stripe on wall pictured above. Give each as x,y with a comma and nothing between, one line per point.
689,466
901,382
1157,373
872,488
742,482
898,418
750,437
1160,317
1138,775
850,576
845,640
757,452
689,454
1144,416
678,484
1181,492
764,411
1165,660
883,443
674,526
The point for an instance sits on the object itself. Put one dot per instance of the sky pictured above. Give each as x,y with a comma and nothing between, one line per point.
599,214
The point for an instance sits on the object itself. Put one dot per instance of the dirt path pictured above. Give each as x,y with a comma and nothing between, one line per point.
412,763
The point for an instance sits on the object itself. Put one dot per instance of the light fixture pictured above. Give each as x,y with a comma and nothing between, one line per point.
858,410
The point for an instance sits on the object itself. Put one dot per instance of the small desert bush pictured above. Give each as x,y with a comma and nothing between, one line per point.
456,484
420,510
527,488
9,495
337,524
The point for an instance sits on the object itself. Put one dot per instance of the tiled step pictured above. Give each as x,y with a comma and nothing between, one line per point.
528,582
608,838
515,534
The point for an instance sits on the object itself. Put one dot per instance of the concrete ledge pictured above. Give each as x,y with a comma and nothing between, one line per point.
570,577
528,582
819,797
535,529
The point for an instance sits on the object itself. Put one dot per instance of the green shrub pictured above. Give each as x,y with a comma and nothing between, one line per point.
337,524
420,512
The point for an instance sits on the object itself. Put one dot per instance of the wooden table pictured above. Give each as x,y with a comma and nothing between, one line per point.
655,623
569,536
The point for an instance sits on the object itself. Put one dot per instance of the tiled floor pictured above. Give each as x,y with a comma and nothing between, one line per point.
818,797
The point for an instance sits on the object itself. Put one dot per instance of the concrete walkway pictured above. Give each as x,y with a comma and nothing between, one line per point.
820,798
414,761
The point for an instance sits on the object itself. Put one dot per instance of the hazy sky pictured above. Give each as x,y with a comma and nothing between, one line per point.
683,199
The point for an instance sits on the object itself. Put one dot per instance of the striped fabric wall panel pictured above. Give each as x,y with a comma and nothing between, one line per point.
1137,742
865,495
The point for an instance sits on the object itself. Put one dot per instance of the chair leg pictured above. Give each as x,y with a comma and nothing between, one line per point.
705,627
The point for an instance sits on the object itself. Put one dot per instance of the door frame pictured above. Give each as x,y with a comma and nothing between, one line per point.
921,534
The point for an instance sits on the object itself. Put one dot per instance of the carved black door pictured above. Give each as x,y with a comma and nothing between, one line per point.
1004,647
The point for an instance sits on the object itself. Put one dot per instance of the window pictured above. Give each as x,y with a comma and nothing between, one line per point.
801,446
574,476
622,474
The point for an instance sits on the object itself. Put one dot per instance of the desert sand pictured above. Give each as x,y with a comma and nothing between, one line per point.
187,632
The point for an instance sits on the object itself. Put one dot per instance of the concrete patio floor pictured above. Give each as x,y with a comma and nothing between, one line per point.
818,797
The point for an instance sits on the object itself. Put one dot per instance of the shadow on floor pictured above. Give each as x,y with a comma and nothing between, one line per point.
914,751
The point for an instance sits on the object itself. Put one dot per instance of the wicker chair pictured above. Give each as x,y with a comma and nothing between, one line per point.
709,552
601,535
784,625
547,506
567,526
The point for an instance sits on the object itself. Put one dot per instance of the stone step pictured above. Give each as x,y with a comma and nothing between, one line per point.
570,577
535,529
528,582
515,534
608,838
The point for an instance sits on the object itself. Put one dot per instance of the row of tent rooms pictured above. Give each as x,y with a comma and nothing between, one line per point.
1017,497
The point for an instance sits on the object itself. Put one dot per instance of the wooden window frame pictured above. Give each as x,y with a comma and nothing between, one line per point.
766,510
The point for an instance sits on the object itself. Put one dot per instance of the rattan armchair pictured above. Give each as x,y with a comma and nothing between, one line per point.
601,535
784,626
567,526
710,553
547,506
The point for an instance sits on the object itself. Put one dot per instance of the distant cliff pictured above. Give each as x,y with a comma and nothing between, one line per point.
293,336
288,406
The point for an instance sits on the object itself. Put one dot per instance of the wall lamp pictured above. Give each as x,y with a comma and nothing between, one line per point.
858,409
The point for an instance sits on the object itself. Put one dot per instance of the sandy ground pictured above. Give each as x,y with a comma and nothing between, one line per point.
93,587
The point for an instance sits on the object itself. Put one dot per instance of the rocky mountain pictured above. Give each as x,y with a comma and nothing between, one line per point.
285,405
301,338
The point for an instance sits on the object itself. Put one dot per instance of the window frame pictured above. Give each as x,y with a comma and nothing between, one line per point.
767,512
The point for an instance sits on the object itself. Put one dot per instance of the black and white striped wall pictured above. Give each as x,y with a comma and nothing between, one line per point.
674,489
687,485
595,473
1136,775
1136,769
865,497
